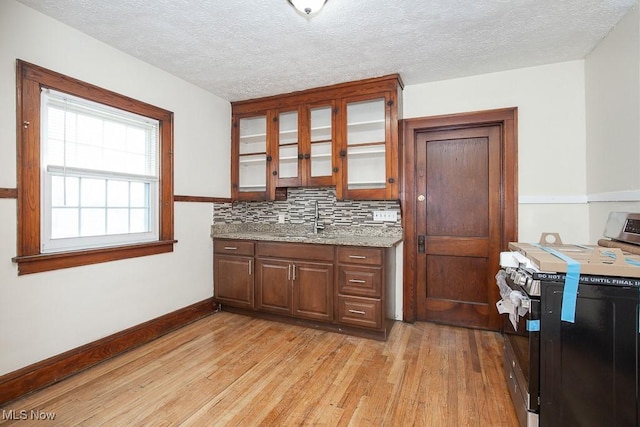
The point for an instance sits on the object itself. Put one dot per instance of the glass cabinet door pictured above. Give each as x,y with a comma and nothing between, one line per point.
366,145
252,171
321,143
288,149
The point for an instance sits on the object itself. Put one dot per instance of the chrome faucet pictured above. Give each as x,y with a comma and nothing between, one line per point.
317,225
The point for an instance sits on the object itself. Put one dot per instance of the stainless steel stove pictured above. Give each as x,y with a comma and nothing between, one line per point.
535,285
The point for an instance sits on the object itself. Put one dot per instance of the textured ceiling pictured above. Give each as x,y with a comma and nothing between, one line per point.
246,49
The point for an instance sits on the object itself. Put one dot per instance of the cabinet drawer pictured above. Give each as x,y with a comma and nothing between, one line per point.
360,281
359,255
233,247
360,311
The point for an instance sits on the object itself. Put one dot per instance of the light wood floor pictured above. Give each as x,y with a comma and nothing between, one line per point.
229,369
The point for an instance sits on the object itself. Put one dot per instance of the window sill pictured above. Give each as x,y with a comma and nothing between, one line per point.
29,264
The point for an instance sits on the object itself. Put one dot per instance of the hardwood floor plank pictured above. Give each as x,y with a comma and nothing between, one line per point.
229,369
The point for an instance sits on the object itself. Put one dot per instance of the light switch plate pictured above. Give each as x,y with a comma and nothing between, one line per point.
281,217
385,216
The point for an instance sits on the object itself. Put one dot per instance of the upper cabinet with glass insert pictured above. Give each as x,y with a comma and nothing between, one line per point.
344,135
250,153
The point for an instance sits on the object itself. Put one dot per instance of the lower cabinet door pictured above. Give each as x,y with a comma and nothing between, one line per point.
313,290
273,285
233,280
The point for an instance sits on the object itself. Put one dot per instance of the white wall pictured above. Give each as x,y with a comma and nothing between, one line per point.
612,73
551,138
48,313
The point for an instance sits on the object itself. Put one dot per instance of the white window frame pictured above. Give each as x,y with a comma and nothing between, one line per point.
52,245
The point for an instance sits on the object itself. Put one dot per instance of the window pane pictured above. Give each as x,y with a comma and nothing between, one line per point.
117,221
92,192
117,193
139,223
115,135
92,222
89,130
65,195
64,223
139,194
98,137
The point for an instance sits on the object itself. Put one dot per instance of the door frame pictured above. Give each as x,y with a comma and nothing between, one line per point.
506,118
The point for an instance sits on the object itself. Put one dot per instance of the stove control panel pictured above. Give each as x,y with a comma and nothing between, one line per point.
624,227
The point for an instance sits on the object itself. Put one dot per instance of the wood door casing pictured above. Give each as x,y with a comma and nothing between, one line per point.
506,120
458,172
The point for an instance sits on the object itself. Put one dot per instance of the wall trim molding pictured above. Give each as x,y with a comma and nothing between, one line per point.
54,369
611,196
552,200
616,196
8,193
202,199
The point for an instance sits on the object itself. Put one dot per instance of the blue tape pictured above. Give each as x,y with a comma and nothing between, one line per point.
533,325
627,260
570,292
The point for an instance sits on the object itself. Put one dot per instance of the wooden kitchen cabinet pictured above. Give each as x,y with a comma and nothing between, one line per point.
344,135
364,296
233,273
304,148
295,280
369,147
349,289
251,156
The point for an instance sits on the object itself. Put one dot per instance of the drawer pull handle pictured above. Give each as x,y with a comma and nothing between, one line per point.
230,248
250,267
357,312
357,257
357,281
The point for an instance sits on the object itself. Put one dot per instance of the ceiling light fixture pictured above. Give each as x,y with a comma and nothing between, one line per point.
308,7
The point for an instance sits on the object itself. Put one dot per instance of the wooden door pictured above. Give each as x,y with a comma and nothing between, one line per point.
458,224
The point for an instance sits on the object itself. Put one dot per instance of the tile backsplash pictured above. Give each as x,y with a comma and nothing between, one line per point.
299,208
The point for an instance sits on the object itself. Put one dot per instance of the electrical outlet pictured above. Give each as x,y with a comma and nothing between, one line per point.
391,216
281,217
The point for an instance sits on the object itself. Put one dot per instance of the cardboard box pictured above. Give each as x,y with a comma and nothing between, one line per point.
594,260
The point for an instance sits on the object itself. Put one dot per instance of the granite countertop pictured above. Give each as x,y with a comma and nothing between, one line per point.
384,237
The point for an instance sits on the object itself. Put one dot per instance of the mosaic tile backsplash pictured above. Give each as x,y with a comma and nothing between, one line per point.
299,208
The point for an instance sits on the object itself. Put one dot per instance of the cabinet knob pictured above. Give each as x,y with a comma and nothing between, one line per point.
335,110
235,186
269,158
307,156
343,153
390,102
391,180
274,173
300,156
335,170
275,119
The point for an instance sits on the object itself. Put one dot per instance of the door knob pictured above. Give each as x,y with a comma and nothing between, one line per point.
421,198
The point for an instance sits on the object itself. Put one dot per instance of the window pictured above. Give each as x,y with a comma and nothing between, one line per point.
94,174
